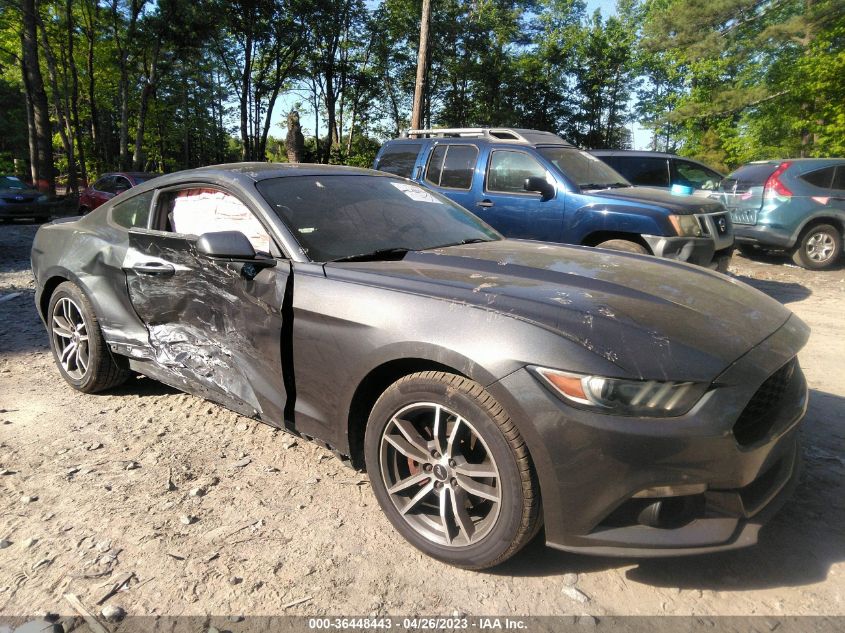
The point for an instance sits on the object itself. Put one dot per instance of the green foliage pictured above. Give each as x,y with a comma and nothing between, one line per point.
727,81
739,80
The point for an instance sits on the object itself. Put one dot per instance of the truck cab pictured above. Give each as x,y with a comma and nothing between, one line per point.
530,184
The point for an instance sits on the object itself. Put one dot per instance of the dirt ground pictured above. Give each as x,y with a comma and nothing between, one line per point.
209,512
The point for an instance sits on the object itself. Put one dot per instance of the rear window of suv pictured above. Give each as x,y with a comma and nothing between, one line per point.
399,159
753,175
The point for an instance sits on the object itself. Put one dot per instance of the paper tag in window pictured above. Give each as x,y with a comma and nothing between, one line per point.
415,193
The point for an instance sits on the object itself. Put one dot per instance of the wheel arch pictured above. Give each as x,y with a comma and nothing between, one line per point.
597,237
370,388
54,279
835,218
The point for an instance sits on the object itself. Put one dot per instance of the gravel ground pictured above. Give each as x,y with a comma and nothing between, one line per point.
208,512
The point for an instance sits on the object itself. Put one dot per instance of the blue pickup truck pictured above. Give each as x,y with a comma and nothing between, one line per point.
531,184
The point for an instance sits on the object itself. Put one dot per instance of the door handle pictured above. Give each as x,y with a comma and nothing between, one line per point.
154,268
485,203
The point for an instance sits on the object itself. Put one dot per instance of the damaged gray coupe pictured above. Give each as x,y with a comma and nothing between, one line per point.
490,387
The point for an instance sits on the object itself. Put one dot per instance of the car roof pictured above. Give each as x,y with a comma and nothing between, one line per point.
257,171
637,153
131,174
252,172
485,135
777,161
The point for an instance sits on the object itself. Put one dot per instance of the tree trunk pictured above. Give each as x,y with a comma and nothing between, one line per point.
92,101
246,152
42,166
60,102
294,142
146,93
422,67
74,97
123,62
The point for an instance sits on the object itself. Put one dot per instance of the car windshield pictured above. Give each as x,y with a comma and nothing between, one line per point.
586,170
355,216
13,182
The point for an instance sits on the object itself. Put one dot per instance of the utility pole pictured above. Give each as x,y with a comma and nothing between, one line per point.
422,57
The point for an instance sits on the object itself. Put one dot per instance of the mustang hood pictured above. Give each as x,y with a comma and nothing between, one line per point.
680,205
651,318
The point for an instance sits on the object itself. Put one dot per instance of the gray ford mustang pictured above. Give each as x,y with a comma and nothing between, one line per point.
630,405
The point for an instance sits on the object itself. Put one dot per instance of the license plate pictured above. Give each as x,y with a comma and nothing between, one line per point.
744,216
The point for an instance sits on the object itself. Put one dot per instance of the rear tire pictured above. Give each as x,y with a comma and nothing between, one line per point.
818,248
451,471
627,246
80,352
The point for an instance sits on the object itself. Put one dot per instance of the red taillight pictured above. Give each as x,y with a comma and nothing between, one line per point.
774,187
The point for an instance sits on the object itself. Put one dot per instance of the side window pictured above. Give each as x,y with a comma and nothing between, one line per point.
121,184
105,184
205,210
508,170
819,178
399,159
695,175
452,166
133,213
839,179
642,171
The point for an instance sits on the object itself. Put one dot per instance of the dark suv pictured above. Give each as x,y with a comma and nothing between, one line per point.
534,185
658,169
795,205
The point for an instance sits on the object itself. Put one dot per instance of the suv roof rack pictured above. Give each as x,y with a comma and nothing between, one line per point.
495,133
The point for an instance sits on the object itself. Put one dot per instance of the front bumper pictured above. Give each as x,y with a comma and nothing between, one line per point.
700,251
594,468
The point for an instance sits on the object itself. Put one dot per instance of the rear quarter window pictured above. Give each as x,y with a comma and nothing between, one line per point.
399,159
821,178
133,213
839,179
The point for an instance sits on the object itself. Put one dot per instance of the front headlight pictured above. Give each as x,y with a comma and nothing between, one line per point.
686,225
649,398
43,198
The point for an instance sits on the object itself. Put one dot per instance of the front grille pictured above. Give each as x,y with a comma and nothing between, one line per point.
757,417
744,216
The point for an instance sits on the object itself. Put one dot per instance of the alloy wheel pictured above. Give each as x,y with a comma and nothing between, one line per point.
70,337
820,246
440,474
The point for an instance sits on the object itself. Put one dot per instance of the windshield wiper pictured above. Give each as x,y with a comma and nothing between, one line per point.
473,240
374,256
604,185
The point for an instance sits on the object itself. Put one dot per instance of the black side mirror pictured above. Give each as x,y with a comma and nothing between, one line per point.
541,186
225,245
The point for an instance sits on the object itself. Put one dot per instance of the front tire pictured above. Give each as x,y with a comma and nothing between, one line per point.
819,247
80,352
451,471
627,246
